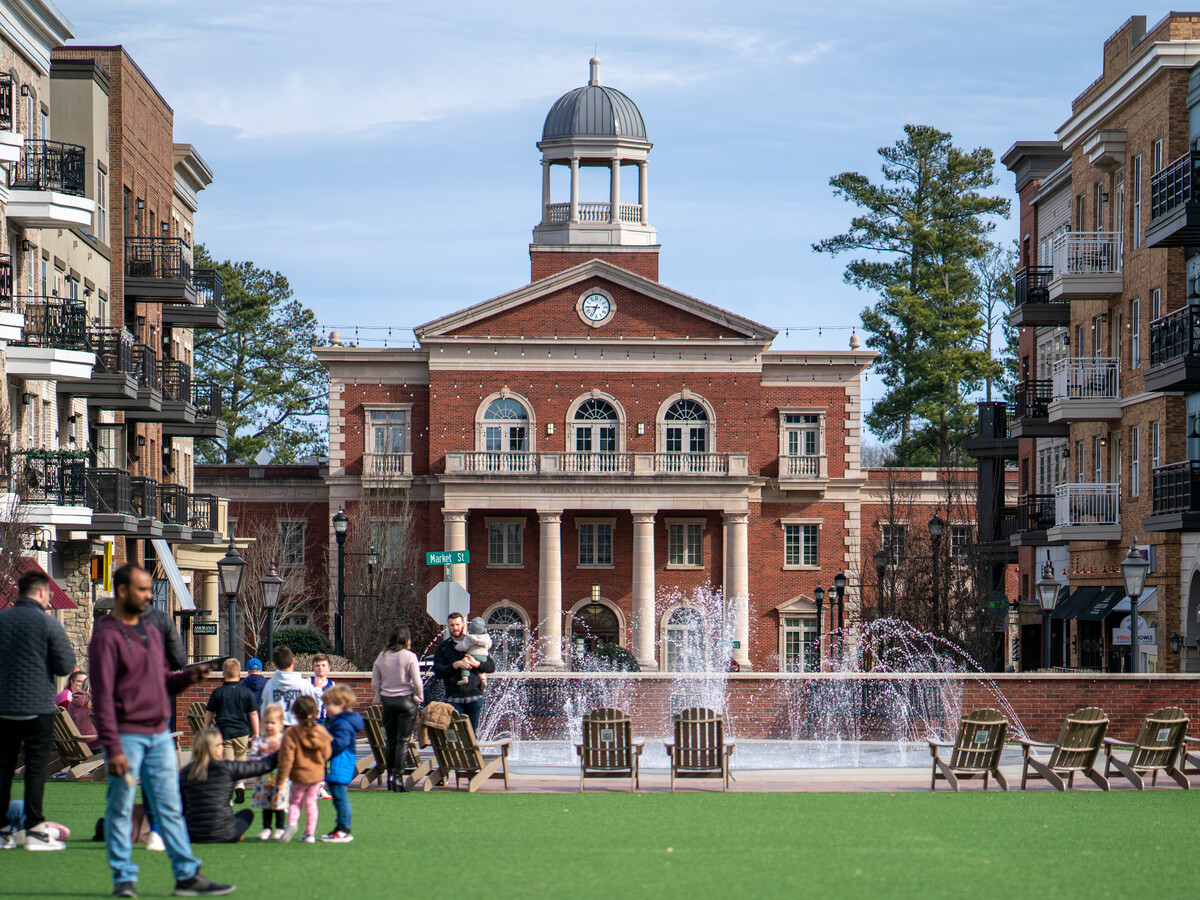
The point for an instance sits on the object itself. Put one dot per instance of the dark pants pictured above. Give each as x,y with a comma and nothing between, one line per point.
399,715
273,818
472,708
341,804
36,735
244,819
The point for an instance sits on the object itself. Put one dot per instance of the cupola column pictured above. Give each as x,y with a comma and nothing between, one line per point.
574,190
545,191
643,190
614,192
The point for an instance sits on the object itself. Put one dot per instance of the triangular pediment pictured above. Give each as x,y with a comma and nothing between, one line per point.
548,305
798,605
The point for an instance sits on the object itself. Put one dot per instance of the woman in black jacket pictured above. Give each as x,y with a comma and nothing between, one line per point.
207,783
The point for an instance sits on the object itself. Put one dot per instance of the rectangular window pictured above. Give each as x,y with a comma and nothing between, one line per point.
101,204
506,544
389,541
891,539
1135,333
1079,461
803,433
799,644
1154,445
1099,472
800,545
1155,303
1135,468
110,447
291,543
684,543
595,544
960,540
1158,157
1135,176
1081,208
390,430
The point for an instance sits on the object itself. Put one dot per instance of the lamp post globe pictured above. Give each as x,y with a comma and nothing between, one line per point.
1047,594
1134,569
341,524
936,526
271,585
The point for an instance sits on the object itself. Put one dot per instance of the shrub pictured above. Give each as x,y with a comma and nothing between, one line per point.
614,658
303,641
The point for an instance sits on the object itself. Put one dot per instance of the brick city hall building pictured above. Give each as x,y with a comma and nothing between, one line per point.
596,427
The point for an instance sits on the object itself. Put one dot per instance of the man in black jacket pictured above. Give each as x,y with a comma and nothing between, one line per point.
449,664
34,648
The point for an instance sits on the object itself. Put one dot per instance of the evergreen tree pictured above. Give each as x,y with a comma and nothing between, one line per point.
275,393
922,228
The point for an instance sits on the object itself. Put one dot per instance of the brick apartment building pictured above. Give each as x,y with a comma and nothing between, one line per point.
596,439
1106,407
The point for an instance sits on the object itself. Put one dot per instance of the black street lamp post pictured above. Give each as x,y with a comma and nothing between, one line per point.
881,562
819,596
271,585
1047,591
936,527
232,568
1133,572
839,587
341,522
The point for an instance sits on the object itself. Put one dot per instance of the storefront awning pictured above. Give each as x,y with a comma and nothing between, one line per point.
1068,606
1148,602
1102,605
58,597
183,597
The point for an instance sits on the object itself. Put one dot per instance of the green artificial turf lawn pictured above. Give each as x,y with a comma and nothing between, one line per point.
694,844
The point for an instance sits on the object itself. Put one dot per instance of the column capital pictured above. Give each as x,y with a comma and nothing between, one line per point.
455,515
737,518
643,518
550,516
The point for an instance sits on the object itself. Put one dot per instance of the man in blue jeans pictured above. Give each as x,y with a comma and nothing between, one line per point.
449,665
130,700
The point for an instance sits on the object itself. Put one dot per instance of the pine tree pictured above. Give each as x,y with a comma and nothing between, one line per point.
922,228
275,393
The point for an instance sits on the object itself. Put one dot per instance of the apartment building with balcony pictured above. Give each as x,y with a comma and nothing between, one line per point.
1101,412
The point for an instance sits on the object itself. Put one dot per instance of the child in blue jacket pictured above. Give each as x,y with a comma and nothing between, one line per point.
343,724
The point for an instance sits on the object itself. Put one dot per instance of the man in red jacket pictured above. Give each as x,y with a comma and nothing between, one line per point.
130,696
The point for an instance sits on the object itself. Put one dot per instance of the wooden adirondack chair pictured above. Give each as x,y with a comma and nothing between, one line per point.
456,750
1189,758
195,716
73,751
1158,748
975,751
374,767
700,749
608,749
1076,750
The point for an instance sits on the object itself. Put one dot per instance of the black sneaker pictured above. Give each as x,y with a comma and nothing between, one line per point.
239,796
199,886
125,889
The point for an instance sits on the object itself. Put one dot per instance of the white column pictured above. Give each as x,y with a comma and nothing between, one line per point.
737,563
545,191
210,598
614,192
646,622
574,190
456,539
644,190
550,590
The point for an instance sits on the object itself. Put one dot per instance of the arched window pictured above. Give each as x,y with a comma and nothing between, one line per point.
596,439
504,435
684,641
687,427
507,630
593,626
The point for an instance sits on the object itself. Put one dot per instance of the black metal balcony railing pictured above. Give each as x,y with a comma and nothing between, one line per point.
1174,335
6,102
206,397
173,504
113,348
1032,285
6,283
202,512
50,166
1172,187
51,478
143,495
207,283
108,492
6,459
1177,488
1007,521
145,367
53,322
1031,399
1035,512
158,258
176,379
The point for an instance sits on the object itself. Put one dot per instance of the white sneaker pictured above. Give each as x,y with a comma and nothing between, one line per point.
8,839
277,834
155,842
40,840
289,833
309,839
324,794
265,834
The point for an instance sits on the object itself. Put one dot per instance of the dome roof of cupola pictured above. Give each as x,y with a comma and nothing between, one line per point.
594,111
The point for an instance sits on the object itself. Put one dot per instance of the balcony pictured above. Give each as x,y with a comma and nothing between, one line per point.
11,141
1086,390
175,384
1086,265
387,470
999,547
159,270
109,496
1032,304
53,344
207,311
174,511
1176,498
50,487
627,213
206,406
1174,206
1175,351
1031,411
597,465
1035,516
11,320
114,383
143,495
47,187
202,519
799,473
1086,512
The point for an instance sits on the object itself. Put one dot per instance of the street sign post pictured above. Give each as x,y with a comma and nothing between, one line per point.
447,558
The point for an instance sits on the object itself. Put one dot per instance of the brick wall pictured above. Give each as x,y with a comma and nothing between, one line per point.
545,262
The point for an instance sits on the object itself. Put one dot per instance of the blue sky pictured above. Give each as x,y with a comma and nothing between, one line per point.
382,154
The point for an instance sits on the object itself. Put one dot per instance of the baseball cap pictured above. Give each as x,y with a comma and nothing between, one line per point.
253,663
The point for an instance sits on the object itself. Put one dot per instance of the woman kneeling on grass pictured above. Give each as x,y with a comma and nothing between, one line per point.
207,783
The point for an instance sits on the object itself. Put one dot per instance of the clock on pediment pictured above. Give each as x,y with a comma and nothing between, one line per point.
596,307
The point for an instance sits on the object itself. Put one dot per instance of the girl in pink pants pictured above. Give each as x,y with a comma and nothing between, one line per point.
305,749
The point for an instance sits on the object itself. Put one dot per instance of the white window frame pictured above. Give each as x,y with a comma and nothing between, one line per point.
806,627
502,634
1135,175
1155,304
669,637
481,426
1157,158
804,527
661,423
688,527
961,534
505,526
369,411
573,426
1135,465
1155,445
285,524
101,203
597,524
